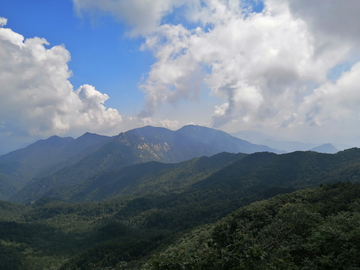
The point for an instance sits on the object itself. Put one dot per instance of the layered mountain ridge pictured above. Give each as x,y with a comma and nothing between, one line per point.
127,199
68,160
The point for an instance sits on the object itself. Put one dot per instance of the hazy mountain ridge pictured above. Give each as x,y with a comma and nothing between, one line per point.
21,165
258,171
76,151
133,147
35,156
44,157
199,141
142,179
325,148
227,142
285,145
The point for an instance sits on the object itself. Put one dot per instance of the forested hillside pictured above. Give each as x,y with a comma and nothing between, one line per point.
234,175
79,159
144,210
43,157
139,179
308,229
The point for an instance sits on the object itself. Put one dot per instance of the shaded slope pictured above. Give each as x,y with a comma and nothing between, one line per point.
26,162
178,212
75,151
220,141
42,158
253,177
128,229
18,167
123,150
297,168
146,178
138,146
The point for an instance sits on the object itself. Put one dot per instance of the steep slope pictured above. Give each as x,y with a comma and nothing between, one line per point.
231,189
138,146
260,171
196,141
116,153
27,161
141,179
75,151
219,141
253,177
18,167
170,145
42,158
126,230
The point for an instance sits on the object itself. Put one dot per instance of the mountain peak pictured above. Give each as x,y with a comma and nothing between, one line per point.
326,148
88,135
53,141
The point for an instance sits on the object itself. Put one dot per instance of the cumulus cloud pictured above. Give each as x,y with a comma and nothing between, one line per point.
260,64
36,97
337,101
335,19
143,16
269,68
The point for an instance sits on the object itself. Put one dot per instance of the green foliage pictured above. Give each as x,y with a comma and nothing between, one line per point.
288,231
152,205
68,165
11,257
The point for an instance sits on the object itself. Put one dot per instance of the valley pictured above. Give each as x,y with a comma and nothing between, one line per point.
195,198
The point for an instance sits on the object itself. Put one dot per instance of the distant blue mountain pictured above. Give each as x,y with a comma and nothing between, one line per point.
273,142
138,146
325,148
20,166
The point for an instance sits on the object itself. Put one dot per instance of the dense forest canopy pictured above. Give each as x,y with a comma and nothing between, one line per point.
176,224
126,202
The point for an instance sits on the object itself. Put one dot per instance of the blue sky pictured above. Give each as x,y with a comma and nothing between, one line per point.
283,67
101,55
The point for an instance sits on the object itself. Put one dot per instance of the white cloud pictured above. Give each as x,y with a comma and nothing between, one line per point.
267,69
37,100
3,21
337,101
144,16
338,20
170,124
177,74
261,64
36,97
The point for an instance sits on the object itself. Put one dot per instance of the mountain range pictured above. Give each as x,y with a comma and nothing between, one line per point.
284,145
68,160
152,198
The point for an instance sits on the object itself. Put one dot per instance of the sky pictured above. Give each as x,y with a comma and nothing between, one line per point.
288,68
